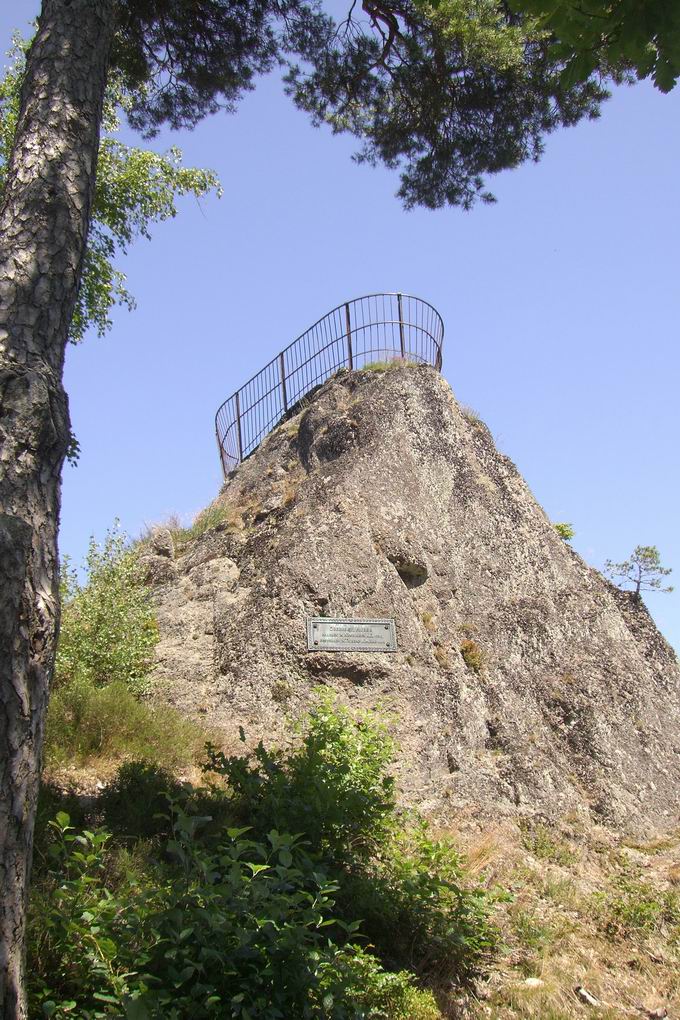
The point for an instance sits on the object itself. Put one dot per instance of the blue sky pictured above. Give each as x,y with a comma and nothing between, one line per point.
561,305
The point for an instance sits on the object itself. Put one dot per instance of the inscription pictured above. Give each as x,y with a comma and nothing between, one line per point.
328,634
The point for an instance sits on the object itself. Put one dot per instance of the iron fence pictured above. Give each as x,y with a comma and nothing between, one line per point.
376,327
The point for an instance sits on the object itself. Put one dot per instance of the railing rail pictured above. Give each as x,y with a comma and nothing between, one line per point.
376,327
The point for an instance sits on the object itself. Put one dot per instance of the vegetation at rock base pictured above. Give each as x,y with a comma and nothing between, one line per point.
642,571
240,897
106,644
159,898
171,900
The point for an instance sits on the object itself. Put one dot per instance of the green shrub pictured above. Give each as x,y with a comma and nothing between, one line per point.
108,629
417,911
565,531
633,906
235,927
85,722
334,786
208,920
135,803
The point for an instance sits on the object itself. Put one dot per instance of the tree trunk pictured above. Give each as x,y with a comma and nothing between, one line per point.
43,229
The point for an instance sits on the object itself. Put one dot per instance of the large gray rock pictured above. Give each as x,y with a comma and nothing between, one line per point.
524,682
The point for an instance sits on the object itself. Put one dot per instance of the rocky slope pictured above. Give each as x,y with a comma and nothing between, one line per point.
523,682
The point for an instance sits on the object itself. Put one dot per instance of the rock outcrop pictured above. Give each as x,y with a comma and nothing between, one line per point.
523,681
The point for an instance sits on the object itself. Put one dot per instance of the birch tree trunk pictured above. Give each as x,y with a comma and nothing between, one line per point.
44,221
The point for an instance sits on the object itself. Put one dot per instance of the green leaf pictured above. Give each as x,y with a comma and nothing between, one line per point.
235,833
136,1010
286,858
256,868
578,69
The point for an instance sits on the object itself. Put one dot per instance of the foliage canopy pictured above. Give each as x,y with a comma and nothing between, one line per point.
612,34
445,94
136,187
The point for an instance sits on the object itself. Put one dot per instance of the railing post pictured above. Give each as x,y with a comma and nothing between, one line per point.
282,376
401,327
239,439
348,322
219,447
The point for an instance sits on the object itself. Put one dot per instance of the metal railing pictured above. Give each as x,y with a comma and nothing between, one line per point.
377,327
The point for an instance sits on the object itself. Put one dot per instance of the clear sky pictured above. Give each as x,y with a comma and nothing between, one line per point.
561,305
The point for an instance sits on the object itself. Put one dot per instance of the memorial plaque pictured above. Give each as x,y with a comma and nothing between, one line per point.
329,634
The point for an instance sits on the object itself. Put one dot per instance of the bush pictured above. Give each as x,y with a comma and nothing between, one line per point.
85,722
250,922
417,911
239,927
104,653
108,629
334,787
565,530
135,803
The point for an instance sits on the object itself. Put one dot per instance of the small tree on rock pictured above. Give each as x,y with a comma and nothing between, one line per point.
643,570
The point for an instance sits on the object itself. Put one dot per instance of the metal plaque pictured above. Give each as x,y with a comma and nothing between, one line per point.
326,634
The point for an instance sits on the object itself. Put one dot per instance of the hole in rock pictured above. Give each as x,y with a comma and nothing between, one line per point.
412,574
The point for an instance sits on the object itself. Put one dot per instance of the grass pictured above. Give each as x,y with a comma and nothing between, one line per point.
633,907
428,621
470,415
473,655
441,656
386,366
289,491
281,691
92,724
211,517
467,628
581,914
543,844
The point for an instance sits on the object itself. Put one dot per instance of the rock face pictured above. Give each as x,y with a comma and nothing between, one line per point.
523,681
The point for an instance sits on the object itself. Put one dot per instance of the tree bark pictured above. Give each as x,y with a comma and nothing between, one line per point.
44,221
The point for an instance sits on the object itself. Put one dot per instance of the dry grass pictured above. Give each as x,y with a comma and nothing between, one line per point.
467,628
586,910
289,491
441,655
231,517
428,621
473,655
